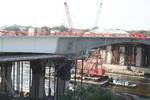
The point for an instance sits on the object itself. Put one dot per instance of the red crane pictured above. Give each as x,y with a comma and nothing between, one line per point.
94,70
69,20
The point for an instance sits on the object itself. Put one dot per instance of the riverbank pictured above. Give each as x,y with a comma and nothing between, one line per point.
142,89
126,70
127,96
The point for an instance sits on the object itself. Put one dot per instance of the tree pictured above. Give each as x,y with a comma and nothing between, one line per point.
61,28
89,93
13,28
45,28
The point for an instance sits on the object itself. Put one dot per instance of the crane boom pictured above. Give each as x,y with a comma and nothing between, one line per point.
69,20
97,17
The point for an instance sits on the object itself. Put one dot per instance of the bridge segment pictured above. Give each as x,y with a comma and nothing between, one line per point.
59,44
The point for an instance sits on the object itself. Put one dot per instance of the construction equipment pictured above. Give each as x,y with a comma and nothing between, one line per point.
95,70
69,20
93,65
97,18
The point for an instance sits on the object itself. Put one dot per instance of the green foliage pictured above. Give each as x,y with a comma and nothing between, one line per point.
89,93
47,29
61,28
12,28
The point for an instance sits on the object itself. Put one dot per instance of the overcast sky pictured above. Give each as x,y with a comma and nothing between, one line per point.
120,14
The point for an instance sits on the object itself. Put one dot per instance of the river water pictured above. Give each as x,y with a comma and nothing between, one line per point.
141,92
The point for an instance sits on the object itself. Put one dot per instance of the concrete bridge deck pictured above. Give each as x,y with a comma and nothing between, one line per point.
59,44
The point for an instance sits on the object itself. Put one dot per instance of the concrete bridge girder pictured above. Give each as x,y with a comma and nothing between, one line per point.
76,45
28,44
58,45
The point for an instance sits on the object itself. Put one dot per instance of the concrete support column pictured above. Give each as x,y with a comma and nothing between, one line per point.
18,76
103,55
122,56
38,79
109,54
63,75
6,81
60,89
3,78
139,56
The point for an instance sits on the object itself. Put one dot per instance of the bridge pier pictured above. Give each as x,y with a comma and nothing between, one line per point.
6,81
38,79
63,75
122,55
139,56
60,88
109,54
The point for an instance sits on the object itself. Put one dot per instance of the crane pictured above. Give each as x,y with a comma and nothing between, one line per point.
69,20
97,17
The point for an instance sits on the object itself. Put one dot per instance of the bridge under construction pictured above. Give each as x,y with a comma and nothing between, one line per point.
56,54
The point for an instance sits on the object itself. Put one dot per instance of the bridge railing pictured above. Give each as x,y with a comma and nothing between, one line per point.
90,34
111,35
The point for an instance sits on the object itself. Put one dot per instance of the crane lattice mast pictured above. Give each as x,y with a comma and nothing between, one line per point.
69,20
97,17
